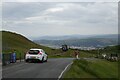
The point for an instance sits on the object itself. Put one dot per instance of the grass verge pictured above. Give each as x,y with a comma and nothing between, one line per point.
92,69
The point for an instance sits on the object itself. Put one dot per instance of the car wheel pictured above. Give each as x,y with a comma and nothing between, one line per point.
46,59
26,61
42,60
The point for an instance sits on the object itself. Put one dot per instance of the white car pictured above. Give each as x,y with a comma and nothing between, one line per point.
36,55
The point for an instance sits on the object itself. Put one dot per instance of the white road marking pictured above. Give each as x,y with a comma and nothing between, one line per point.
64,70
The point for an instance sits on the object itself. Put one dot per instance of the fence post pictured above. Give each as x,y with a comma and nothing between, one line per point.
24,56
3,60
20,57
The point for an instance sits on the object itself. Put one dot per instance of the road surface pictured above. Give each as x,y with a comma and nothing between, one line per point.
51,69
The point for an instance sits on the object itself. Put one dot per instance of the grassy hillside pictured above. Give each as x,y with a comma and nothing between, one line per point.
107,50
20,44
111,49
92,69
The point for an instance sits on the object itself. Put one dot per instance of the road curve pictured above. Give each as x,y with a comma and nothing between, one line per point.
51,69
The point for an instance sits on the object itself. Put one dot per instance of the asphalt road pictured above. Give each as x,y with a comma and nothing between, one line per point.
51,69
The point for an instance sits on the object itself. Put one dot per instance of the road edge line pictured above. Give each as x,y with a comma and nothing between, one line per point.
64,70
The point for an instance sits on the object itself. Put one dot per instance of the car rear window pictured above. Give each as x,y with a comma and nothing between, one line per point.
33,51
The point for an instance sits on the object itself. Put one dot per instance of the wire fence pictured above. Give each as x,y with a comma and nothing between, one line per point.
12,58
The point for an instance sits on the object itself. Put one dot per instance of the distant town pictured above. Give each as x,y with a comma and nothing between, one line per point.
78,47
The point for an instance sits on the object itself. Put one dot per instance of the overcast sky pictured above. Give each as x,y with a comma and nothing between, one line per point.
41,19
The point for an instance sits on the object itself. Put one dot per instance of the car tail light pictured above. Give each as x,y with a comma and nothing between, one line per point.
40,53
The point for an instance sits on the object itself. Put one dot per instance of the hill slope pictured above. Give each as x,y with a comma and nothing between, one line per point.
16,42
13,41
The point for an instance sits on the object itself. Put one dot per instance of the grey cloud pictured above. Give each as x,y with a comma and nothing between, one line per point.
56,18
22,10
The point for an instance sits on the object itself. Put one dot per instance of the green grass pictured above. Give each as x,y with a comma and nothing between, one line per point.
13,42
70,53
92,69
107,50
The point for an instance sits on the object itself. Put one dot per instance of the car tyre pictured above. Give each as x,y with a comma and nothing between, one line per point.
42,60
26,61
46,59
